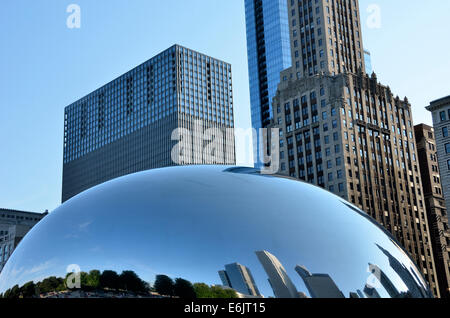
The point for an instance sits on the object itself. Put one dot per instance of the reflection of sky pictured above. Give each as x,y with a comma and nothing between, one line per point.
190,222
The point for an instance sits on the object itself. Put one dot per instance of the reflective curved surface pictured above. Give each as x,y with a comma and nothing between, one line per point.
209,231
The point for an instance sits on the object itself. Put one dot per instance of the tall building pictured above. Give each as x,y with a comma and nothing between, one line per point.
319,285
440,110
129,125
14,225
279,280
326,38
268,54
435,204
239,278
344,131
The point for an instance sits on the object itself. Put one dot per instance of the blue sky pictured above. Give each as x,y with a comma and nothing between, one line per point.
44,66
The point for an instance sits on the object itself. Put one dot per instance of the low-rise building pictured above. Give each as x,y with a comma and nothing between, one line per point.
14,225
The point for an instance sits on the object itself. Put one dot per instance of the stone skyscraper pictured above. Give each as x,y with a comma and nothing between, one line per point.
344,131
435,204
440,110
140,120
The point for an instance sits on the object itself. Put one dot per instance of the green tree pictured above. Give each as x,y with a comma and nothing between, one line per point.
109,279
131,282
93,279
15,292
202,290
28,290
184,289
164,285
7,293
50,284
219,292
84,279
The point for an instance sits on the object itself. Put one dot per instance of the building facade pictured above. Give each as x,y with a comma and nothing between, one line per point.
326,38
239,278
350,135
14,225
435,204
440,110
319,285
344,131
268,47
162,113
278,278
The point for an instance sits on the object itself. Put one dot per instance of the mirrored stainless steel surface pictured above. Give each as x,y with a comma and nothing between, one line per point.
263,236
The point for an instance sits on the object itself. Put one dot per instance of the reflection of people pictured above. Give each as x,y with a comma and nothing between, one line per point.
279,280
319,285
411,282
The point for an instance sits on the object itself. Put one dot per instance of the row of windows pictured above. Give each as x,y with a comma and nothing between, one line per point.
132,101
444,116
19,217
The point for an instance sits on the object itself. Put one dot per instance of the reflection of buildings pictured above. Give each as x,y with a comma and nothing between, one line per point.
319,285
371,292
384,281
411,282
239,278
14,225
360,294
279,280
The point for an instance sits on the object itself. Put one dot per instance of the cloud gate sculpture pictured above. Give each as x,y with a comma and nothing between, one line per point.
209,231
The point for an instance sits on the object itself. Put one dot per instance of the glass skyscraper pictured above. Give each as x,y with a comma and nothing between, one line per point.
269,53
127,125
239,278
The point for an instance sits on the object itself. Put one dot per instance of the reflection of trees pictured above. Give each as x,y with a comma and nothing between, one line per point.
204,291
164,285
184,289
127,282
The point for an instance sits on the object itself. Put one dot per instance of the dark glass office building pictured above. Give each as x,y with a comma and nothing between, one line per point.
170,110
269,53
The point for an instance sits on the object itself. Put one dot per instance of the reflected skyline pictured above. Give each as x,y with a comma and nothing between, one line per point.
414,284
182,222
319,285
239,278
279,280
